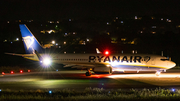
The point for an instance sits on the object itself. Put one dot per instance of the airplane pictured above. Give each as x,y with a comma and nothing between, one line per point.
100,63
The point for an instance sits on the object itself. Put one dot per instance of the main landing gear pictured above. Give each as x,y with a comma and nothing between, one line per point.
88,73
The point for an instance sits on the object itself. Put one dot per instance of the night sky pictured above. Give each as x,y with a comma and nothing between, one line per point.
56,9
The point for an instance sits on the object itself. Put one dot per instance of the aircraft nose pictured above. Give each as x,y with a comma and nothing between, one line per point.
171,64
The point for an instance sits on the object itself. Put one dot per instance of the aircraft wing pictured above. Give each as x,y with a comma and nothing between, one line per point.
83,66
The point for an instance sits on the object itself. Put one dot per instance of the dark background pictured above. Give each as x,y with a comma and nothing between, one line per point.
89,18
55,9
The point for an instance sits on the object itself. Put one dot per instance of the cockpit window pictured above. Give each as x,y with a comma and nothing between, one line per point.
164,59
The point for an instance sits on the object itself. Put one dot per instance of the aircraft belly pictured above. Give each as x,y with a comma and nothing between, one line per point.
136,68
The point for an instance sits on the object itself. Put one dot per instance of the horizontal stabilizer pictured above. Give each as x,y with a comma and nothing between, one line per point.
27,56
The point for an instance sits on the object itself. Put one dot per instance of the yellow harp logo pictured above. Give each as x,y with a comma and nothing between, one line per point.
28,40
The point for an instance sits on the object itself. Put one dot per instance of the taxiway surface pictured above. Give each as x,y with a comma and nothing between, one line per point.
76,79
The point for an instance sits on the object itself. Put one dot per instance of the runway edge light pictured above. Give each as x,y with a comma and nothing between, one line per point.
21,71
12,72
173,90
50,92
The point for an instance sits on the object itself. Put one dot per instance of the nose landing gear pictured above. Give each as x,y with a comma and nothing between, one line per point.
158,73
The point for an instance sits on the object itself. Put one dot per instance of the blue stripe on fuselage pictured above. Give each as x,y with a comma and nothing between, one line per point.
135,68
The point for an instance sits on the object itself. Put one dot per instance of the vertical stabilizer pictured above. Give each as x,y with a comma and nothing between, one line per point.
30,42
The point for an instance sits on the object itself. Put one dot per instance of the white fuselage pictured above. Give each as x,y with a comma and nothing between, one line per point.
125,62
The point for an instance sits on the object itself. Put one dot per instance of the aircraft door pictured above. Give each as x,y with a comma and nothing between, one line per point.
153,61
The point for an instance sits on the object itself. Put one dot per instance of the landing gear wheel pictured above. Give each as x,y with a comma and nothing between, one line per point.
110,70
88,74
158,73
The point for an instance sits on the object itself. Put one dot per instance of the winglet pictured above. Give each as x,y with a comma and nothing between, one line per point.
97,50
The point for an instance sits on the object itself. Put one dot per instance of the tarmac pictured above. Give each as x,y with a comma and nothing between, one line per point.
76,79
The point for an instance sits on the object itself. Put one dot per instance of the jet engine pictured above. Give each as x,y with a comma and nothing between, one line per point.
102,70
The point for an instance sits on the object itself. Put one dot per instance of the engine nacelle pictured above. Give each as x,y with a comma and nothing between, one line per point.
103,70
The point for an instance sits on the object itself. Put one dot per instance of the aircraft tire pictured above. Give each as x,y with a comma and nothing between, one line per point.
110,70
87,74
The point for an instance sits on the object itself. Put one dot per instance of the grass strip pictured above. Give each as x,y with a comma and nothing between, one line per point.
91,94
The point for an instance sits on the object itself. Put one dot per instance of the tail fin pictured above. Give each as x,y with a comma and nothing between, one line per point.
30,42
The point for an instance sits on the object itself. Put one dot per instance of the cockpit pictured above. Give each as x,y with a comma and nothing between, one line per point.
165,59
166,62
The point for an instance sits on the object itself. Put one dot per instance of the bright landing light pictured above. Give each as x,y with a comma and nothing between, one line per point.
46,61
